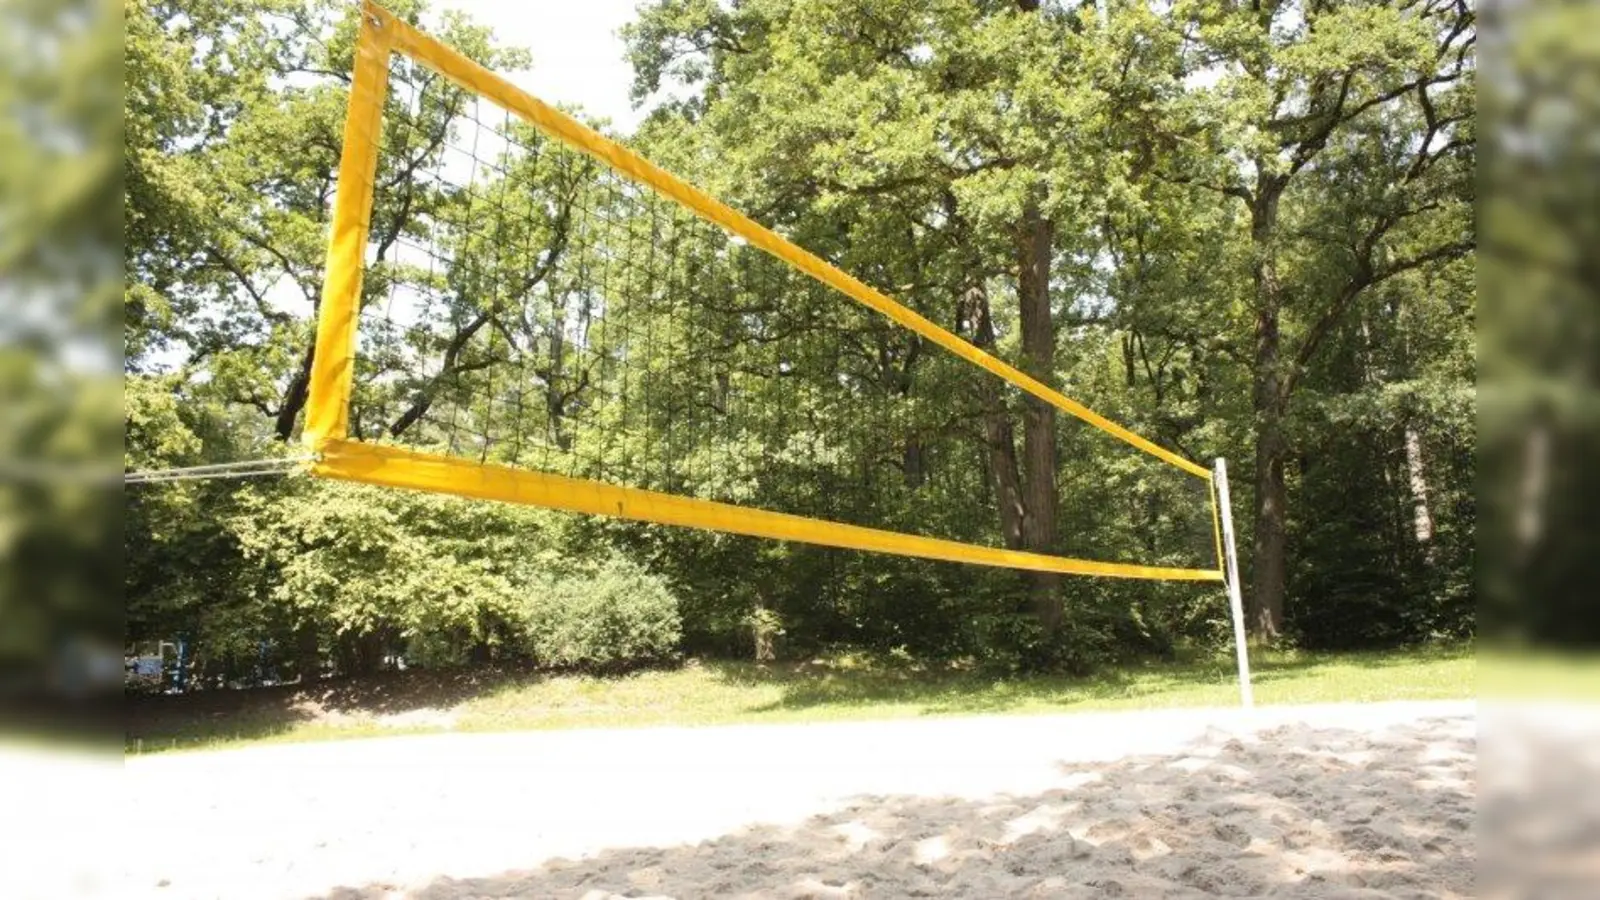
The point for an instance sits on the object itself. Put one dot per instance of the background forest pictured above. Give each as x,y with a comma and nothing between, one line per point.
1244,230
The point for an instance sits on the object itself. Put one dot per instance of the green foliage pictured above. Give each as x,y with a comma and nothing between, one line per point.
606,617
1540,423
906,141
60,74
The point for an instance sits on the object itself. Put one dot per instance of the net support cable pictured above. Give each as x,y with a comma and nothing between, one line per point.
254,468
335,455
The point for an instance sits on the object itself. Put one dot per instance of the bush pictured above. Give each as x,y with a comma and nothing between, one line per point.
1014,643
612,616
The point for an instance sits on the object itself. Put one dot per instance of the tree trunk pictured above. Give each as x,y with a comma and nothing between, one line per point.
295,396
307,655
1422,515
1000,440
1034,239
1270,563
913,463
1265,606
1533,496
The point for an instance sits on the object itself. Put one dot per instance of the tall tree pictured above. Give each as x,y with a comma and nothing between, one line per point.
1154,207
1540,279
991,121
59,395
1377,95
232,159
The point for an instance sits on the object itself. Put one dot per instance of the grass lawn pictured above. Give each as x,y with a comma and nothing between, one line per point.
721,692
1526,674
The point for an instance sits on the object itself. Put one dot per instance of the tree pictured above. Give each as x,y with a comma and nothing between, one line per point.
1375,97
1541,328
59,395
234,116
1212,224
988,129
232,162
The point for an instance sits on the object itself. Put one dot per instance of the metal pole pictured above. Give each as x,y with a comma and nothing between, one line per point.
1235,597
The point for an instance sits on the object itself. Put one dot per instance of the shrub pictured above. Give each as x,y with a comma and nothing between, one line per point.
765,626
1013,643
615,615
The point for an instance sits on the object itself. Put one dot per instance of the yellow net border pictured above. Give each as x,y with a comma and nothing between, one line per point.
327,415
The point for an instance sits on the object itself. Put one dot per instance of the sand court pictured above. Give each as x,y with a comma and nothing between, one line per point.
1347,801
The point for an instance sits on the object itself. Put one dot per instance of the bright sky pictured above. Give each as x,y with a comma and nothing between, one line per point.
577,51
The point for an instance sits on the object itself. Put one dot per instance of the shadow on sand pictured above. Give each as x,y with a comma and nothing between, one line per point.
1295,811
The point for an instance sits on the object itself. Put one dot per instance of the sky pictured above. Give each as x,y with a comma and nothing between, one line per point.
577,52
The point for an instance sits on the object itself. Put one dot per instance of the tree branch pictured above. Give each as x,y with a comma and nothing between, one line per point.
1229,190
262,307
1366,277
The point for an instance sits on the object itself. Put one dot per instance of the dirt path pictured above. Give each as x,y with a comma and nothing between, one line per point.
1311,801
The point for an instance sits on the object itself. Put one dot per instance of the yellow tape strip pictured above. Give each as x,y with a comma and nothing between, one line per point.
568,130
395,467
1216,524
333,361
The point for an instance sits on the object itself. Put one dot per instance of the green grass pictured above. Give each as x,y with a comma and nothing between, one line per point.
1513,673
728,692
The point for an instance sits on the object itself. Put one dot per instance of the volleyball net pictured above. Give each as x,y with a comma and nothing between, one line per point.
517,308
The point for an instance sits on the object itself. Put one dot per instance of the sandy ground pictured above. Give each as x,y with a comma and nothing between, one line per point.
1332,801
1539,811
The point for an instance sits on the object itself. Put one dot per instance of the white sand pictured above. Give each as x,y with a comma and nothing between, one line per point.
1333,801
1539,824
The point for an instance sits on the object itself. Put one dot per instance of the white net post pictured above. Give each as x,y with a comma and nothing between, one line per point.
1235,596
